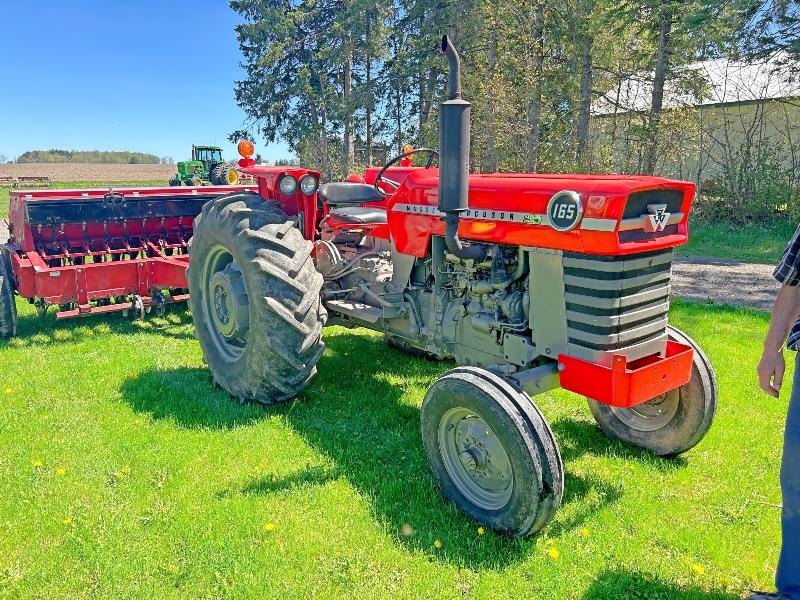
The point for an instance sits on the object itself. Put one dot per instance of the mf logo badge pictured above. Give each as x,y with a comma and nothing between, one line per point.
532,219
564,211
656,218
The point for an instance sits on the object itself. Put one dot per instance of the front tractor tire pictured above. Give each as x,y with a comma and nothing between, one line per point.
255,298
672,423
491,451
8,307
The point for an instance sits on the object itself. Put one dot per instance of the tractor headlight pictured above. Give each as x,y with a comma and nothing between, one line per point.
308,184
287,185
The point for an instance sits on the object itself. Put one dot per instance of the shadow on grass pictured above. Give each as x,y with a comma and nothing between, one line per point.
317,476
189,397
631,585
32,330
577,438
356,412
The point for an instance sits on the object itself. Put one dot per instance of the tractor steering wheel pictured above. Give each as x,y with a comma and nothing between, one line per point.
380,177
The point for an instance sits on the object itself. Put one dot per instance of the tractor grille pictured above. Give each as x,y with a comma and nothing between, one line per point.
617,304
638,201
640,235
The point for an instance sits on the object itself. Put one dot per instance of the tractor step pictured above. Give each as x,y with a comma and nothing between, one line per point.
356,310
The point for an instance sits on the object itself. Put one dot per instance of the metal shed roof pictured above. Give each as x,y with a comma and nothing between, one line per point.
726,81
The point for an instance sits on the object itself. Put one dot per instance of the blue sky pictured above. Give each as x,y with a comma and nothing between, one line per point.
147,75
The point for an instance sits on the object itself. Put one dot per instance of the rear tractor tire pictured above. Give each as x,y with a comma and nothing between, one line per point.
491,451
8,307
224,175
672,423
217,175
174,181
255,298
230,177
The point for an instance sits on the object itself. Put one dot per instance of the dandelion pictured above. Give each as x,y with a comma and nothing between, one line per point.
725,583
37,464
125,470
67,520
8,390
698,569
553,553
481,531
269,526
61,471
584,531
407,529
437,544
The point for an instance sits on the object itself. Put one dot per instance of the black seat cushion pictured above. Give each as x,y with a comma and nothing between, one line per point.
357,215
343,192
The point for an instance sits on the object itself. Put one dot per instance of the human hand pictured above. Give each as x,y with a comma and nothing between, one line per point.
770,371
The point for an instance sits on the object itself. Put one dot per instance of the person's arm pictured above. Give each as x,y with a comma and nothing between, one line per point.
772,365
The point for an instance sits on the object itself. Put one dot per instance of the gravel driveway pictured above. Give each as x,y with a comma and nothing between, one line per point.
724,281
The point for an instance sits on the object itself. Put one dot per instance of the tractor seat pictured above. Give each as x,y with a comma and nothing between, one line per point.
357,215
346,193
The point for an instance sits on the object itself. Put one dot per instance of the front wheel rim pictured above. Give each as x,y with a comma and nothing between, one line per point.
475,459
651,416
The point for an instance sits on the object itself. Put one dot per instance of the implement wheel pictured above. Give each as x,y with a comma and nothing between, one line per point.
255,298
672,423
8,307
491,451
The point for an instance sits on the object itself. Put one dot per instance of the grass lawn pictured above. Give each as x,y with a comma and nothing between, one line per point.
126,474
751,243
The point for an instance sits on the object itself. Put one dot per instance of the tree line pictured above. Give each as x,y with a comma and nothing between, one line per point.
88,156
331,76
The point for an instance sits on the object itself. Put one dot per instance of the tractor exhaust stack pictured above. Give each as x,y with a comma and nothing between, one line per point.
454,124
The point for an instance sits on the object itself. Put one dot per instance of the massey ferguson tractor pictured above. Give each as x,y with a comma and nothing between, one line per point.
527,282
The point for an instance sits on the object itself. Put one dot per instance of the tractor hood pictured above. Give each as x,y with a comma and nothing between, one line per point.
596,214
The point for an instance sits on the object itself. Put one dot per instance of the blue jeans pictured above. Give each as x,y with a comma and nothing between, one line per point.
788,576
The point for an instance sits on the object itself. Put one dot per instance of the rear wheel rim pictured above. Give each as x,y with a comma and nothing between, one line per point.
225,304
650,416
475,459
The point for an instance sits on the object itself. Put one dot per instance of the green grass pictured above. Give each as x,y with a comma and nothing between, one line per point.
168,482
4,191
750,243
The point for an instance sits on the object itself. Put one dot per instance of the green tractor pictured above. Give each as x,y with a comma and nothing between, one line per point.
206,166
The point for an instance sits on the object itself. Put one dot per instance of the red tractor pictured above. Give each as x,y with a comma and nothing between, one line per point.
528,282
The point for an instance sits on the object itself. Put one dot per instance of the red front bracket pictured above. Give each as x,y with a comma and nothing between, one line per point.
625,384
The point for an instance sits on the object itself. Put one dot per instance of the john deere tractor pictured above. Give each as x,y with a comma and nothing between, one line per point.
206,166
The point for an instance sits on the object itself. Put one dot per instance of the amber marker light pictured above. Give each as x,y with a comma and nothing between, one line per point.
246,148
